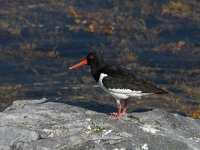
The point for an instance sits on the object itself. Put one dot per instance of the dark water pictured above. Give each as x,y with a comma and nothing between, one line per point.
39,40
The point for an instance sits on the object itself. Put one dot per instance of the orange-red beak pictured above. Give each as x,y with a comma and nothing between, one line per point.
82,63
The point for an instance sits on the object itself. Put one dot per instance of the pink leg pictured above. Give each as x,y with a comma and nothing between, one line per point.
125,106
119,107
119,114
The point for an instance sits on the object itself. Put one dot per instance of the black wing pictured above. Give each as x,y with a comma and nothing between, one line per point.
122,78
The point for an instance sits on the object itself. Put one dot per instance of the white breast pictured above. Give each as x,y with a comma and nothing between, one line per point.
102,75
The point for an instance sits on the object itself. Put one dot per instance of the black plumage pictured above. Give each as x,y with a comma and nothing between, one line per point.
121,78
118,81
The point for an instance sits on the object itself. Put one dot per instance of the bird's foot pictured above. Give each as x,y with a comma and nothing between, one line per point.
115,116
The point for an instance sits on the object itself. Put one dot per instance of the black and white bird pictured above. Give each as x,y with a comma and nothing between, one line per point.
118,81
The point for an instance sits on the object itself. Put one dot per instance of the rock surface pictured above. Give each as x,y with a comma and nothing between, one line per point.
55,124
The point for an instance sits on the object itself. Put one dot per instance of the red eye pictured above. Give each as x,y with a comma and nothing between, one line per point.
91,57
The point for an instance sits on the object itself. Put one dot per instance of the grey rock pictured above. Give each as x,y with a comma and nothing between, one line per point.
54,124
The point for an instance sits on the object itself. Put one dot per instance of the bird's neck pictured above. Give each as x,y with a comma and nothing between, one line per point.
96,71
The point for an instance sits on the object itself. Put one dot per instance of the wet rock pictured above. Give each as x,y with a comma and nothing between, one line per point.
56,124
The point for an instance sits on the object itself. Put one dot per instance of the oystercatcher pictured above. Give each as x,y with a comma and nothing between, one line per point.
117,81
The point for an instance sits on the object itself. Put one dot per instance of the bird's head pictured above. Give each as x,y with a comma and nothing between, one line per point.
95,60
